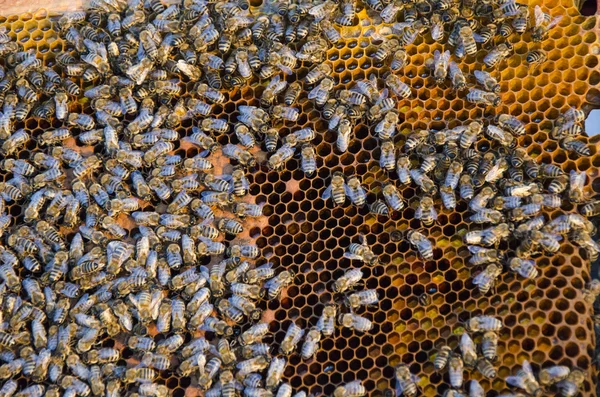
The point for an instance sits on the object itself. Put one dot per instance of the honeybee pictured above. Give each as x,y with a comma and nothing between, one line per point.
308,159
291,339
344,133
322,91
421,243
499,53
362,298
525,380
355,191
426,212
543,23
361,252
536,57
442,357
439,66
275,372
480,97
350,389
398,87
241,155
326,322
406,382
570,387
468,350
356,322
278,160
337,189
272,90
275,285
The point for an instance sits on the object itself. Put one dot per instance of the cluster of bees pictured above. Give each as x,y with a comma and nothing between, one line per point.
467,27
561,378
470,357
73,275
504,187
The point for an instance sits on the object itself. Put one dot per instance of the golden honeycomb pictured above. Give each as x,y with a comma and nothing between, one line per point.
546,320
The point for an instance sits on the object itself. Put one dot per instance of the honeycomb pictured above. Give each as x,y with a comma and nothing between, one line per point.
546,320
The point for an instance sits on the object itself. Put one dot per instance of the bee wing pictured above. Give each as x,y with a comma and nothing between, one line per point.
376,36
480,76
481,278
477,37
555,21
314,92
273,83
245,109
225,177
516,381
446,57
436,57
352,256
400,26
383,95
539,15
205,240
285,69
327,193
399,387
527,369
474,249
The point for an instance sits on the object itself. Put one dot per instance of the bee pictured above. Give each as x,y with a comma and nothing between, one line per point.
398,87
275,372
437,27
570,387
292,93
272,90
543,23
321,92
344,133
275,285
311,343
387,159
356,322
350,389
252,365
439,66
240,155
285,112
210,371
536,57
291,339
278,160
468,350
480,97
455,371
406,382
393,197
362,298
361,252
210,94
326,322
576,186
308,159
426,212
386,128
486,368
459,82
497,54
318,73
441,359
574,146
355,191
421,243
337,189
